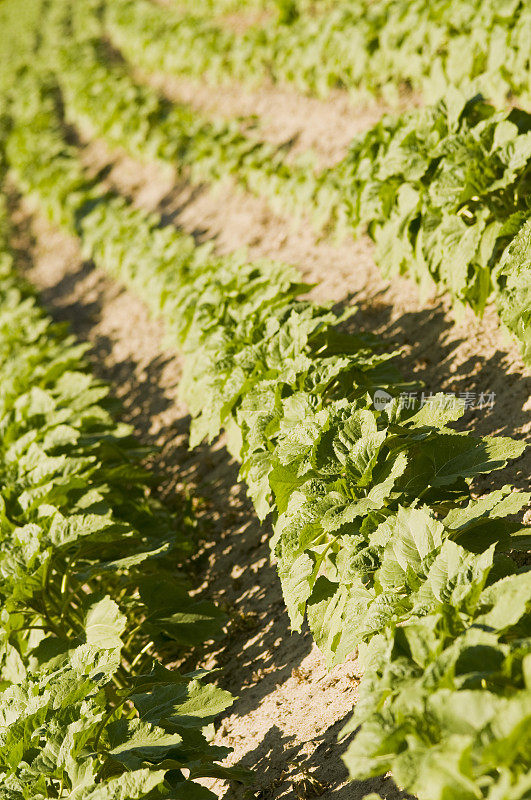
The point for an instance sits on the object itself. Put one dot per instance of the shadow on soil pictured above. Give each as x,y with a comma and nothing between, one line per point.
285,770
427,357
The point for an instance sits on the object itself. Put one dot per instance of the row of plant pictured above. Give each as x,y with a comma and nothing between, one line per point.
445,701
91,586
377,537
444,191
370,49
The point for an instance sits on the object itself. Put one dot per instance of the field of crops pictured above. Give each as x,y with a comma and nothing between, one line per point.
264,405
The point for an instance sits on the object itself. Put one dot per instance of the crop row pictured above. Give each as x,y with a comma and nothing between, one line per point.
376,536
444,191
370,49
90,586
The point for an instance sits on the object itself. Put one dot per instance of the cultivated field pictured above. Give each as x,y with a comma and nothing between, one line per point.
265,496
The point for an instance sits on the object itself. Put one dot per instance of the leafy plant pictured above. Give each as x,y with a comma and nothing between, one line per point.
101,99
444,190
74,726
446,697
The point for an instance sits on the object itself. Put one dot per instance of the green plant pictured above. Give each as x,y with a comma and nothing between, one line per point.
444,192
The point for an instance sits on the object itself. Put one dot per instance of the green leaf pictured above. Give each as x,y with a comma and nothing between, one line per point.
104,625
